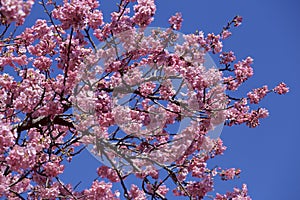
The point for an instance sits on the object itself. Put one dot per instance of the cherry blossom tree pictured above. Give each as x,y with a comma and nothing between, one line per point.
143,100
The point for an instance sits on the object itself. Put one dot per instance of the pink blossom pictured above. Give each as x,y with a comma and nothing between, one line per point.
230,173
147,88
176,21
119,23
162,190
258,94
15,11
20,187
136,194
95,19
109,173
199,189
231,83
149,171
243,70
78,14
6,136
219,148
144,12
133,77
39,30
226,34
42,63
102,34
21,158
238,20
13,60
255,115
114,66
239,113
227,57
281,88
197,167
237,194
182,174
4,182
100,191
214,42
166,90
50,192
53,169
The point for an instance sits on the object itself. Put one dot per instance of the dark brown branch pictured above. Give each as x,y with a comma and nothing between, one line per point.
43,121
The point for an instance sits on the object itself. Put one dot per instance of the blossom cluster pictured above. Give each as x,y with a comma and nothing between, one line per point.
176,21
60,93
79,14
15,11
236,194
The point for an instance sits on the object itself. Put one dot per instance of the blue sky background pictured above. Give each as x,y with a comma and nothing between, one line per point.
268,155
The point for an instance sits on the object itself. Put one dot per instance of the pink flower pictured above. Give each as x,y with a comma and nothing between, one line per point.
281,88
198,168
149,171
238,20
258,94
227,57
214,42
255,115
136,194
237,194
42,63
41,192
162,189
95,19
243,70
144,12
21,157
238,114
100,191
15,11
147,88
226,34
6,136
182,174
166,90
176,21
109,173
231,83
199,189
114,66
78,14
220,148
53,169
230,173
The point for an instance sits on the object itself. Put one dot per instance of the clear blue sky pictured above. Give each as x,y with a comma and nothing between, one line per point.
268,155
